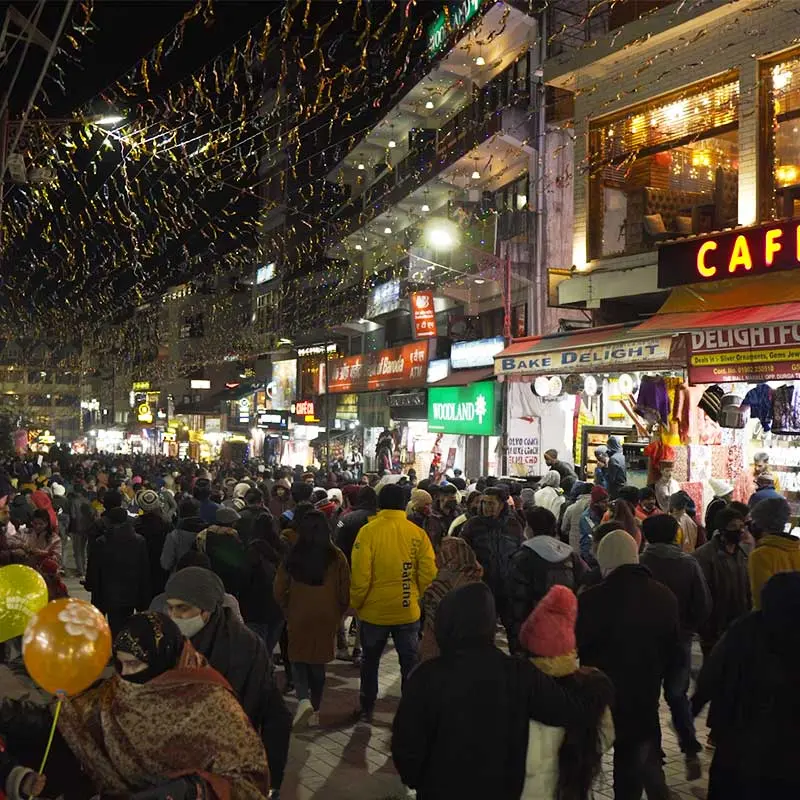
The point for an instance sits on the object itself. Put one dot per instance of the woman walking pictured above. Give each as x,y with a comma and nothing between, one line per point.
313,589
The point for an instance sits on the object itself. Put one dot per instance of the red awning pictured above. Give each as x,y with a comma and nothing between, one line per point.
607,334
464,377
681,322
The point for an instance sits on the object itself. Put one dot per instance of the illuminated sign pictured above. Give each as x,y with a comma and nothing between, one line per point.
244,410
273,420
397,367
424,315
304,411
477,353
735,254
758,353
141,386
200,384
383,299
265,273
466,410
315,350
455,17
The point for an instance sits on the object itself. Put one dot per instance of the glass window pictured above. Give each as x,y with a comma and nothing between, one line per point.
664,169
781,165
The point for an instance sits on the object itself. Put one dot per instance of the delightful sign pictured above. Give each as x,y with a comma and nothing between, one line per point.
759,353
586,359
466,410
736,254
395,368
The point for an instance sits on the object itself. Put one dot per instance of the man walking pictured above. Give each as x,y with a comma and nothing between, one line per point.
392,565
777,550
681,573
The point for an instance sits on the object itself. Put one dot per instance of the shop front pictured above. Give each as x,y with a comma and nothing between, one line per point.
570,392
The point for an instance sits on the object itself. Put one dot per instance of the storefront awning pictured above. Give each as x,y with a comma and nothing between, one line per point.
684,322
609,348
465,377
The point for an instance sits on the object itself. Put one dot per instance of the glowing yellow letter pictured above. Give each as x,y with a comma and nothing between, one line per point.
740,256
707,271
772,245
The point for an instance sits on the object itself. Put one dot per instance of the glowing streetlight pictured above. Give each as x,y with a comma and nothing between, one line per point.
441,235
110,119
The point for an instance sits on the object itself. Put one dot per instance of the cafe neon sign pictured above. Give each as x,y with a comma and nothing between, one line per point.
736,254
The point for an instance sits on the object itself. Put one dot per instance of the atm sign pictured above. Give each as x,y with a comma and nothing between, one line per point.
735,254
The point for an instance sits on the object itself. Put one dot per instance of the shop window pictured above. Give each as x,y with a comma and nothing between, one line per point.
665,169
781,164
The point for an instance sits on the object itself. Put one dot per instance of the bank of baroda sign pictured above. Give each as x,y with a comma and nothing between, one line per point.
468,410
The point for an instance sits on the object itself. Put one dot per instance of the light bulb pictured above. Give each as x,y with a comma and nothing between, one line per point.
480,61
425,207
361,166
392,144
476,176
429,104
358,247
387,230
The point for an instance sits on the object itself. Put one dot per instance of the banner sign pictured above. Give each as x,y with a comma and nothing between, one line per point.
736,254
396,368
586,359
759,353
524,446
466,410
274,420
424,315
476,353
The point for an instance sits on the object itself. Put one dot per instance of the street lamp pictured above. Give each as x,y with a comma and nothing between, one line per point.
441,235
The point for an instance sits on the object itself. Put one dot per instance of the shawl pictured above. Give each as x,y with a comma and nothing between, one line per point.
131,737
41,500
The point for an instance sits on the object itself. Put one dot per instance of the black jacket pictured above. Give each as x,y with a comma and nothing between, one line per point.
629,627
750,679
154,528
256,599
494,542
253,522
345,532
461,731
242,659
540,563
681,573
728,584
118,570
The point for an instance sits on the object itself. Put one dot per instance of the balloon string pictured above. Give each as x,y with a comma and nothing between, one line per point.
52,734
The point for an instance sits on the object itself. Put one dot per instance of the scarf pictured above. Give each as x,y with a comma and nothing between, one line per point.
457,566
186,721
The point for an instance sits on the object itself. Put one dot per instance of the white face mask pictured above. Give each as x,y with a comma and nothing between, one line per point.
191,626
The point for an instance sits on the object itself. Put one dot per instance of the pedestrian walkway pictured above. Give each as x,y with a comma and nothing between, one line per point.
340,760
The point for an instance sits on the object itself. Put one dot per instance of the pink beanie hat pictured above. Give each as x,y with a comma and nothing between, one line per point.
549,630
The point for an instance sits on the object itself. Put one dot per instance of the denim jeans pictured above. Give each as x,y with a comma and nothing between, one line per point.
637,767
310,681
373,642
676,688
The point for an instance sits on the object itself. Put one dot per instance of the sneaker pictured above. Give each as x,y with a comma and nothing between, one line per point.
343,654
304,712
694,769
313,720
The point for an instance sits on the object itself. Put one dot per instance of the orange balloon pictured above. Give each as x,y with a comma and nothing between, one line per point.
66,646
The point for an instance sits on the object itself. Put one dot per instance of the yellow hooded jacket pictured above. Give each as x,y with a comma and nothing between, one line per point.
392,565
771,555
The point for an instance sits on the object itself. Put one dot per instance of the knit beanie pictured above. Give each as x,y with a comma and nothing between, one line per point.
419,499
196,586
617,549
241,489
148,500
227,516
598,494
549,630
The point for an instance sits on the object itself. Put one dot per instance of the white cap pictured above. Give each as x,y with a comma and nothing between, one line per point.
719,487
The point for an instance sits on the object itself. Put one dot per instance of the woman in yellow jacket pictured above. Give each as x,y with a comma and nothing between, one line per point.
392,565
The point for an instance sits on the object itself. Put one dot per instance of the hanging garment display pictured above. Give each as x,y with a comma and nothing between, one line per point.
760,400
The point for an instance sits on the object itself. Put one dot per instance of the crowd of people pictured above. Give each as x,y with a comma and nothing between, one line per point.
210,575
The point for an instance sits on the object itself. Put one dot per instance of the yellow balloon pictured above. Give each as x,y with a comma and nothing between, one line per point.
66,646
23,592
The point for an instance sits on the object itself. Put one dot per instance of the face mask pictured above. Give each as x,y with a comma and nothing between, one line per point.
190,627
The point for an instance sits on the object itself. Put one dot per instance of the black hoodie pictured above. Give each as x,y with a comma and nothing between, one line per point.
461,730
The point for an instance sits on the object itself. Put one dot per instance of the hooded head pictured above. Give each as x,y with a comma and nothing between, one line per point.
148,645
551,478
601,454
613,445
455,555
466,619
617,549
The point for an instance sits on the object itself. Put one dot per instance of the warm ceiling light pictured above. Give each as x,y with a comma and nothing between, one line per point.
358,247
392,144
361,166
480,61
429,104
476,176
441,235
387,230
425,207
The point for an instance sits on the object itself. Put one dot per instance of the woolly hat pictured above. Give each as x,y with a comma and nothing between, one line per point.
617,549
598,494
549,630
420,498
241,489
148,500
227,516
719,487
196,586
58,490
335,494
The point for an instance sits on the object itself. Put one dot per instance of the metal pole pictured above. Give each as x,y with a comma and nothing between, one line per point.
327,414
